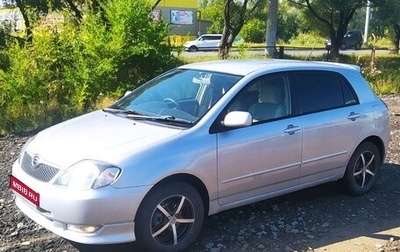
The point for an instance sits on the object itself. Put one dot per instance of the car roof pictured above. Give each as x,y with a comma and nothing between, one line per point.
211,34
245,67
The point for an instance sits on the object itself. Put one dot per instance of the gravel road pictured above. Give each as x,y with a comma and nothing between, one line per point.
318,219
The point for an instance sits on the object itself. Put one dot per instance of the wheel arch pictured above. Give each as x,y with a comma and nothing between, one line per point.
191,180
378,143
193,48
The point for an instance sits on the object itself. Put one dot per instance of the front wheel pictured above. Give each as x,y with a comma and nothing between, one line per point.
362,169
169,218
192,49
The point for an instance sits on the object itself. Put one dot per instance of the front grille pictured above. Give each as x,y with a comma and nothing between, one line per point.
39,171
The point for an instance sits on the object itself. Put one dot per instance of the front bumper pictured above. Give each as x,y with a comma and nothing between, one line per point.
111,210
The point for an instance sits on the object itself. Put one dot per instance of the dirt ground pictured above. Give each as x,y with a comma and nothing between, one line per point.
319,219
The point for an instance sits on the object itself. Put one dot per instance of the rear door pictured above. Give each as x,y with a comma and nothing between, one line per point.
210,42
332,121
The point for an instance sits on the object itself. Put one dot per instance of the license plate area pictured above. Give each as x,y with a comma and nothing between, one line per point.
24,190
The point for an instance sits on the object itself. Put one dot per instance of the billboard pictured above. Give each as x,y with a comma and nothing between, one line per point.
181,17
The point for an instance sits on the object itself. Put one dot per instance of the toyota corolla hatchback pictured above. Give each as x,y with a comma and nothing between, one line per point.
197,140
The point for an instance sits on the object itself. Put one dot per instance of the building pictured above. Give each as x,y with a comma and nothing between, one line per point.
182,16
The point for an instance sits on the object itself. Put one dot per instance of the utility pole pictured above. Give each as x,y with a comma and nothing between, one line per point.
155,4
367,18
272,20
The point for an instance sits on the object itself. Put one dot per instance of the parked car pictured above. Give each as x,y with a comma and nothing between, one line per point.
197,140
352,39
205,42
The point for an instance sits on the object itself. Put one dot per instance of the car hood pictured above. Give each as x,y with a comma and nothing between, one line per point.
97,135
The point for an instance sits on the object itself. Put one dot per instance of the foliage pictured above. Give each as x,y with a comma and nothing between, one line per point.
388,15
291,22
310,40
33,10
253,31
242,50
68,68
214,13
383,76
379,42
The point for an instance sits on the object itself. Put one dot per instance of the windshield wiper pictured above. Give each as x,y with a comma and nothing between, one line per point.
167,118
135,115
122,111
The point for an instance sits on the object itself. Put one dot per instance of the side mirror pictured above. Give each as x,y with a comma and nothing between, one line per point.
236,119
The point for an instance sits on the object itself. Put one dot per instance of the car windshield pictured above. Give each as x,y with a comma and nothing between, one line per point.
178,96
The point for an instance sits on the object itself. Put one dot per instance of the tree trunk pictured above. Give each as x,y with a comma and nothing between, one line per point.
27,23
272,22
224,48
397,38
231,30
74,9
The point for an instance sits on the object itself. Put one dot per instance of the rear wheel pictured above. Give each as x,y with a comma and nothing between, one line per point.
362,169
358,46
169,218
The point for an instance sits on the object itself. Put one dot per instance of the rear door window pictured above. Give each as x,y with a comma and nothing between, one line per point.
322,90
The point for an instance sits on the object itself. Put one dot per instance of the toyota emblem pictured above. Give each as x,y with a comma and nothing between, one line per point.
35,161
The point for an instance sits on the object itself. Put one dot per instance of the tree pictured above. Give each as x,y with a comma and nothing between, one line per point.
334,17
388,13
228,17
234,16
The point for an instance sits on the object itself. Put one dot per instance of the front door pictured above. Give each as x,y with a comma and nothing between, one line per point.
263,159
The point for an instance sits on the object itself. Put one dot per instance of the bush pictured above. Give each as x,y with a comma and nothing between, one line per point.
66,69
308,40
379,42
254,31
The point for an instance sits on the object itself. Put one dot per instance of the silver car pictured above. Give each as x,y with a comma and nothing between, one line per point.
198,140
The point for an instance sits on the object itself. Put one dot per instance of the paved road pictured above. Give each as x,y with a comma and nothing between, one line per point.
291,52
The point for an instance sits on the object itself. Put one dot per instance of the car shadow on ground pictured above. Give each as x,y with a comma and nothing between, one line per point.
314,217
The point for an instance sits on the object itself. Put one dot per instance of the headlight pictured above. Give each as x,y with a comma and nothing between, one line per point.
88,174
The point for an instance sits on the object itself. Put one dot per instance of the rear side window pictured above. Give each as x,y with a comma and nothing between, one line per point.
322,90
212,38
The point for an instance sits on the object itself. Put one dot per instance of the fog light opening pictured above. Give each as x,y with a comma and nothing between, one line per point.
87,229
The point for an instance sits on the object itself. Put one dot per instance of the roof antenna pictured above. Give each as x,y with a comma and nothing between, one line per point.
312,50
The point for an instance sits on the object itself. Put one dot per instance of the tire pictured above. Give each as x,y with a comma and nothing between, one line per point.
192,49
362,169
358,46
169,219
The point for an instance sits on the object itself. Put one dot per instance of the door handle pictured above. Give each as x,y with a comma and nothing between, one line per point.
353,116
291,129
